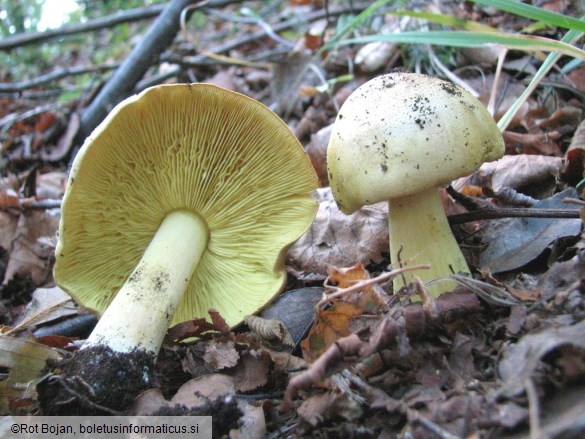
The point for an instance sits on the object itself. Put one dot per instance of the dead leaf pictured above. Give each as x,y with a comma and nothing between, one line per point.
32,246
562,275
541,143
251,373
221,355
47,305
204,388
514,242
270,330
522,360
515,171
296,309
331,325
335,239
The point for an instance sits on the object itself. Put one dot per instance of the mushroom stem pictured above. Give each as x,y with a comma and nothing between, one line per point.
420,234
141,312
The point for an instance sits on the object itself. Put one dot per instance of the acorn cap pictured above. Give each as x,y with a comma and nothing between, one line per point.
196,148
402,133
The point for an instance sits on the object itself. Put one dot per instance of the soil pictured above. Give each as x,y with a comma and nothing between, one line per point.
81,385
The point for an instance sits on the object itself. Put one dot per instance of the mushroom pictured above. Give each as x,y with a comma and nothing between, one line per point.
400,137
185,198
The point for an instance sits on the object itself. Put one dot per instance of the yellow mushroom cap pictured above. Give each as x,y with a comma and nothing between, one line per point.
195,148
402,133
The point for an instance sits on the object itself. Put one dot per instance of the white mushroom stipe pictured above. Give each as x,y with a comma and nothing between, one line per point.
141,312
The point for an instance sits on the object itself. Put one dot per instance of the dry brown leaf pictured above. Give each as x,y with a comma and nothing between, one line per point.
269,329
542,143
514,171
335,239
221,355
251,373
46,305
284,362
201,389
574,166
33,244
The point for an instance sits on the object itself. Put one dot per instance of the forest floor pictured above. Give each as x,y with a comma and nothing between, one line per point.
503,355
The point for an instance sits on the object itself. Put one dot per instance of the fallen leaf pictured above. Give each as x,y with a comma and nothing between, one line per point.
514,242
221,355
270,330
251,373
33,244
47,305
335,239
316,149
331,325
204,388
514,171
522,360
295,309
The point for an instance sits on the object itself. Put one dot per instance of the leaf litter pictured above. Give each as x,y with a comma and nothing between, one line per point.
490,359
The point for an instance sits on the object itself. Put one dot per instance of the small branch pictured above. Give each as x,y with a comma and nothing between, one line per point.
61,73
127,16
504,212
361,284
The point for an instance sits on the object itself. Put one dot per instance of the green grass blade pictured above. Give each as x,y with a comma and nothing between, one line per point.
550,61
365,14
447,20
527,43
534,13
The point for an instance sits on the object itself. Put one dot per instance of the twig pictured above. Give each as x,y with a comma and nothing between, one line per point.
512,212
533,409
127,16
53,76
415,417
361,284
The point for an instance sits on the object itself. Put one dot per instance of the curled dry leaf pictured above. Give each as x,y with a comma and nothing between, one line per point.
269,329
335,239
514,171
334,322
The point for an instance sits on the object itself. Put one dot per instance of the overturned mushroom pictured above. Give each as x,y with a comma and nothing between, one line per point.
400,137
185,198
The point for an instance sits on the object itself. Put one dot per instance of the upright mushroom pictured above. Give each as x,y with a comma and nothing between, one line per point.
400,137
185,198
